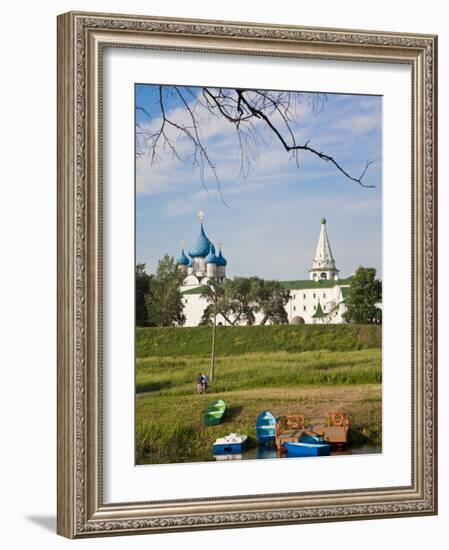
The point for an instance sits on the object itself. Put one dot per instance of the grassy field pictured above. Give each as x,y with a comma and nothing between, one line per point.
237,340
261,373
176,376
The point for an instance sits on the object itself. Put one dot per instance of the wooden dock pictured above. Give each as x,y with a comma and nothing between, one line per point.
289,429
334,428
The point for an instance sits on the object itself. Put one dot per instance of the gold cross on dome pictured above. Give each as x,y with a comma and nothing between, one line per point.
201,216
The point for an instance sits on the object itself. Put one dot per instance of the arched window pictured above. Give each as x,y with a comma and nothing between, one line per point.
323,276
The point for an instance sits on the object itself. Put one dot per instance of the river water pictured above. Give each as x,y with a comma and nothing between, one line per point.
265,453
261,453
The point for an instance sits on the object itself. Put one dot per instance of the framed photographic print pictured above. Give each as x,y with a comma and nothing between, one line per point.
247,274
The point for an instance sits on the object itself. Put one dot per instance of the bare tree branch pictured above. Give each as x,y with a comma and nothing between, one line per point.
246,110
260,114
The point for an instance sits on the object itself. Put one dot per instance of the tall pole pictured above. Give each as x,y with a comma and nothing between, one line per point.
214,328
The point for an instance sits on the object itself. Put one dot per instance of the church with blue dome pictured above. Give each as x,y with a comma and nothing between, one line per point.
319,299
202,263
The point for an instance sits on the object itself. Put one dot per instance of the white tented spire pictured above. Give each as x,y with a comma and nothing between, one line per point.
323,265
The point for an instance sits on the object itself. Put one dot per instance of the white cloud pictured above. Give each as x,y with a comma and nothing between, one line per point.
359,124
179,207
362,206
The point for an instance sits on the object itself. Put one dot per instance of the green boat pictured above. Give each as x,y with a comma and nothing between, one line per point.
214,413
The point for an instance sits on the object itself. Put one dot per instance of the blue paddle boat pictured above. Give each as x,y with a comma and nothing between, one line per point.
308,445
266,428
229,444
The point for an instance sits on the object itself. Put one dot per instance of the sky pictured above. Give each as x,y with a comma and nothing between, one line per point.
267,218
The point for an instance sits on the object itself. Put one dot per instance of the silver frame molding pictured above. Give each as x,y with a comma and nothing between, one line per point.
81,38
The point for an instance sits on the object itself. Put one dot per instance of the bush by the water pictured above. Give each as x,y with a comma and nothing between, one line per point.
196,341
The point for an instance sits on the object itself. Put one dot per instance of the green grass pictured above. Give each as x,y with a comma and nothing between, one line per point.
311,369
196,341
176,376
170,429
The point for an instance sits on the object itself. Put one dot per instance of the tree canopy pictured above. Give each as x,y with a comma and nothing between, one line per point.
272,298
142,289
158,296
365,292
238,300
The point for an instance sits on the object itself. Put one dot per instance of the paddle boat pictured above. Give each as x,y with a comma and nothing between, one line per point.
308,445
266,428
214,413
229,444
224,457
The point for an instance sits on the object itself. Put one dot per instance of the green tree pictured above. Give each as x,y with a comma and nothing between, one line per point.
271,298
364,293
216,295
142,288
164,299
240,299
234,300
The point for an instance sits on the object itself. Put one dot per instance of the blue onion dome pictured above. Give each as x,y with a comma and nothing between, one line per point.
221,260
211,258
183,260
201,247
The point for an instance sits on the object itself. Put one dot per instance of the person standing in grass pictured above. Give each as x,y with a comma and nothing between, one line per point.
200,383
205,382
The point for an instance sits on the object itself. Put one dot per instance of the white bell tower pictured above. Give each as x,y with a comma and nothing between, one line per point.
323,265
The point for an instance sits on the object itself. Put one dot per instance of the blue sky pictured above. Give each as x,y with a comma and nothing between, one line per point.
271,224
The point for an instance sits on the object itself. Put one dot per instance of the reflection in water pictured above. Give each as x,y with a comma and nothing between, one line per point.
266,452
367,450
236,456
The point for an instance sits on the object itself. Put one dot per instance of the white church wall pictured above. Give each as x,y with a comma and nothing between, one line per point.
302,303
194,306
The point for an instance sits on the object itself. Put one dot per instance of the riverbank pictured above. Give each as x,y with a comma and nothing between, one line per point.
169,427
311,370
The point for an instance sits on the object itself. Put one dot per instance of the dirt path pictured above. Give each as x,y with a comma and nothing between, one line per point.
362,401
341,392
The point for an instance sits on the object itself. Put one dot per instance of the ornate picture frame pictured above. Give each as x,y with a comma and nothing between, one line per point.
82,38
